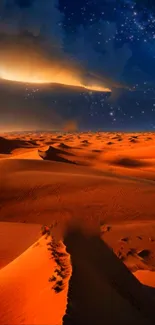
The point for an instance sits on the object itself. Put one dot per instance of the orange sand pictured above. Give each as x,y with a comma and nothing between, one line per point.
105,179
26,295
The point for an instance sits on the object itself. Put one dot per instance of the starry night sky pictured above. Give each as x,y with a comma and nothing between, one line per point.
113,38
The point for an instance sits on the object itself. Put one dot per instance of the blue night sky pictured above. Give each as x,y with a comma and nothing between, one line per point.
113,39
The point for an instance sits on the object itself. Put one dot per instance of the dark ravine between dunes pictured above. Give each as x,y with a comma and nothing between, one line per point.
101,289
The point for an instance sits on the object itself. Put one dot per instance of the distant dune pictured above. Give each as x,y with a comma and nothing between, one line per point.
64,146
55,154
8,145
130,162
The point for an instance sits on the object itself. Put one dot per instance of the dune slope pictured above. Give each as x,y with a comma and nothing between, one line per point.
15,238
26,295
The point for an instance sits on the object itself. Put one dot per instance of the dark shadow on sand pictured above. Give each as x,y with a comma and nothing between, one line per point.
101,288
55,154
130,162
8,145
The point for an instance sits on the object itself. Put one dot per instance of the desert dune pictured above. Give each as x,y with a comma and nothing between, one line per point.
26,294
106,180
15,238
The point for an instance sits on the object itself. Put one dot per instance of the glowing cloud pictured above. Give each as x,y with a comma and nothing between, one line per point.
63,78
27,64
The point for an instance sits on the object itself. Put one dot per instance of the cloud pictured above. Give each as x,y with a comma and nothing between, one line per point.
70,126
95,48
23,59
19,112
42,19
31,47
33,37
